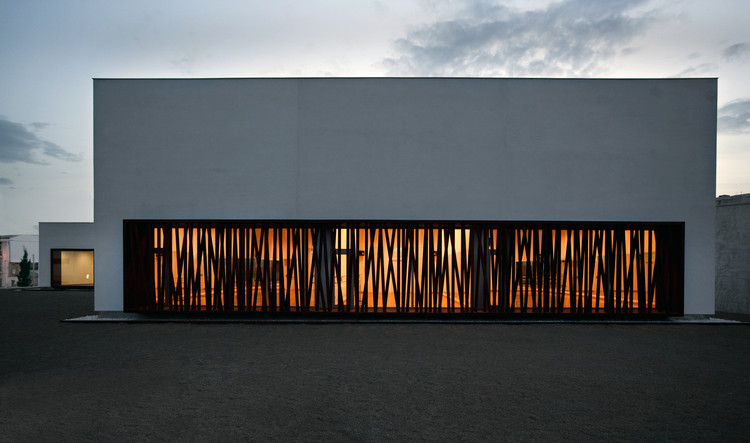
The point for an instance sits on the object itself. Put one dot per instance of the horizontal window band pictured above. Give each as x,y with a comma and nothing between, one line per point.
442,267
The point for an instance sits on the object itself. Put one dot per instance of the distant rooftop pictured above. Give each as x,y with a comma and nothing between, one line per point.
728,200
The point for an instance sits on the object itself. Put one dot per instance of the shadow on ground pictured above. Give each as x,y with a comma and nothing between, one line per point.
343,382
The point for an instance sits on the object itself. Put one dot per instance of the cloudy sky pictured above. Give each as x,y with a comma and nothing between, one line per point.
51,50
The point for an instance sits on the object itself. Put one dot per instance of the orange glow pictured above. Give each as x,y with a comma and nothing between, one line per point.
424,269
73,268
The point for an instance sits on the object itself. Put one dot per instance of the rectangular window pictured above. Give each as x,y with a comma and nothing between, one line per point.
72,268
404,267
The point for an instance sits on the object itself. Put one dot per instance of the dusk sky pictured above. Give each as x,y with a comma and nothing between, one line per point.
51,50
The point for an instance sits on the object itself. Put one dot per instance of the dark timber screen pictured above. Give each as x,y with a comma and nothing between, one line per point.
404,267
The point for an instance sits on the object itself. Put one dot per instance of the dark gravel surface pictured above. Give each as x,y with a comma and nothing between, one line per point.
349,382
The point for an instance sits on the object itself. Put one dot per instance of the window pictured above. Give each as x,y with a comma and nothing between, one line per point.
404,266
72,268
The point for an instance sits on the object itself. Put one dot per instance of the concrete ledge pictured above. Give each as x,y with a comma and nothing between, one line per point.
127,317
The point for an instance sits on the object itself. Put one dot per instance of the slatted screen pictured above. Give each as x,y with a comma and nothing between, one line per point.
404,267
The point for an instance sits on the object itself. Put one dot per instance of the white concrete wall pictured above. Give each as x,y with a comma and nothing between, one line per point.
442,149
62,236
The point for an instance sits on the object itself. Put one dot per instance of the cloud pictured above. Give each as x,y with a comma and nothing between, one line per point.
19,144
568,38
188,63
5,181
701,69
737,51
734,117
38,126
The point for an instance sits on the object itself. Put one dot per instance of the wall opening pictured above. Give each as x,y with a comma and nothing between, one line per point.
72,268
404,267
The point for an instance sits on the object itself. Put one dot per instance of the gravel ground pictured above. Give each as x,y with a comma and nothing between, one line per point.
374,382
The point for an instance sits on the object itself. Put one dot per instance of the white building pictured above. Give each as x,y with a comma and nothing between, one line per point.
567,196
12,248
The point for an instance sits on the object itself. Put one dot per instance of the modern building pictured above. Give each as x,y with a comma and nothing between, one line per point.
12,248
408,195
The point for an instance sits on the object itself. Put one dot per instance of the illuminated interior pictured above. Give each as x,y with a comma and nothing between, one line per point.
431,269
72,268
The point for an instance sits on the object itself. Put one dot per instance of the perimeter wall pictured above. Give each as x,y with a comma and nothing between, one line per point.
733,254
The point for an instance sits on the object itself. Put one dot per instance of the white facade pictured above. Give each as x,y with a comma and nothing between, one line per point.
402,149
61,236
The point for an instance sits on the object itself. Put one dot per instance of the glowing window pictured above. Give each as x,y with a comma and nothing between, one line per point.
72,268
